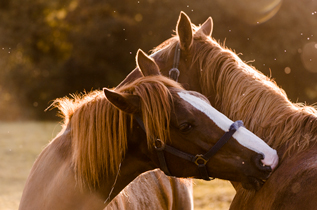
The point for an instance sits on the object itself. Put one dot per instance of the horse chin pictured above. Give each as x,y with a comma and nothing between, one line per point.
253,183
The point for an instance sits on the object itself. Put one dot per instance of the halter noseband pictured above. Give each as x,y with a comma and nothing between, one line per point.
200,160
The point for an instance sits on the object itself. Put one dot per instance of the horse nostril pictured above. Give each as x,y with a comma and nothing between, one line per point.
258,162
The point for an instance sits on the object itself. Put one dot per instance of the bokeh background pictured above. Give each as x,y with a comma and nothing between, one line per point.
51,48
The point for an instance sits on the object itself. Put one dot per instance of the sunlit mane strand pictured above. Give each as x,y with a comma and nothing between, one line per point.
156,104
99,135
99,130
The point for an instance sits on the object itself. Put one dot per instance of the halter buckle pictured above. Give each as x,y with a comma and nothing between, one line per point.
159,145
200,160
174,74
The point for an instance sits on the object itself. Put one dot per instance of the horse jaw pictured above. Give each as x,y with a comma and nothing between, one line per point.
252,183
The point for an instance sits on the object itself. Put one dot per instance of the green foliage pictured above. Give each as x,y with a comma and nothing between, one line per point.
49,49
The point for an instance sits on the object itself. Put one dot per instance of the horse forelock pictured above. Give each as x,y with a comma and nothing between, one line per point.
156,99
99,130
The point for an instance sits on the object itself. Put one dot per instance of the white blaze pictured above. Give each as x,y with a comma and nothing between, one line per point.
245,137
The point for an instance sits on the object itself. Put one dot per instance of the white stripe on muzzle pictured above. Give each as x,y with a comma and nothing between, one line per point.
245,137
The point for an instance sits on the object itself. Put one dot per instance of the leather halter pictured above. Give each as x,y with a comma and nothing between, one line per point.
200,159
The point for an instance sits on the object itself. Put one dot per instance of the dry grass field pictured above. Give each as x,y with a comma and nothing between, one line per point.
21,142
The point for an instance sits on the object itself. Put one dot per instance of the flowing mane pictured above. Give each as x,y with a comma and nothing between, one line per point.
278,121
99,130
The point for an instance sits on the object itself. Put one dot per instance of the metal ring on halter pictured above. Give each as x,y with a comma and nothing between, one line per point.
174,74
159,145
199,158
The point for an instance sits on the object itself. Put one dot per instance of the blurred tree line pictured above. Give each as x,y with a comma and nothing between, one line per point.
51,48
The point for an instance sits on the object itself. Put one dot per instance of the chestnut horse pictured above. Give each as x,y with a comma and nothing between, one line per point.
242,92
110,137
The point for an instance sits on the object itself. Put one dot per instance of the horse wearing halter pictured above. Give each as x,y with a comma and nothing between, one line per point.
200,159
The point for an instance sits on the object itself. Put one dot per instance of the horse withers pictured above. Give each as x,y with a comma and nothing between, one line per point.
106,142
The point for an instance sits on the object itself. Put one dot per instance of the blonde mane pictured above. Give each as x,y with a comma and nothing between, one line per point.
243,93
99,131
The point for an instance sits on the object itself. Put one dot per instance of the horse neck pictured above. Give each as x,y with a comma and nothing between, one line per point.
130,169
52,172
133,164
243,93
136,161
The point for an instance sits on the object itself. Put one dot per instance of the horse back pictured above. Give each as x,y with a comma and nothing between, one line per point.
154,190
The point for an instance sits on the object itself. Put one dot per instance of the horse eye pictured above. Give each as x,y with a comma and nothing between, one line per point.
185,127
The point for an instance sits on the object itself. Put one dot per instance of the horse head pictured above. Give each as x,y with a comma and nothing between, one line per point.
194,131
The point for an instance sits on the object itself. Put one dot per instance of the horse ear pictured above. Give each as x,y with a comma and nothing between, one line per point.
126,102
184,31
207,27
146,64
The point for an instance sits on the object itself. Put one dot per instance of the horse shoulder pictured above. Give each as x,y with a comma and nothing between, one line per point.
298,189
154,190
292,186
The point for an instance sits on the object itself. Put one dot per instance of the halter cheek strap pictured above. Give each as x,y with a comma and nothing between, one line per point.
174,72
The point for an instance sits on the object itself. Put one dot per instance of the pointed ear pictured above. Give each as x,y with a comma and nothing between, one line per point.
126,102
184,31
146,64
207,27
